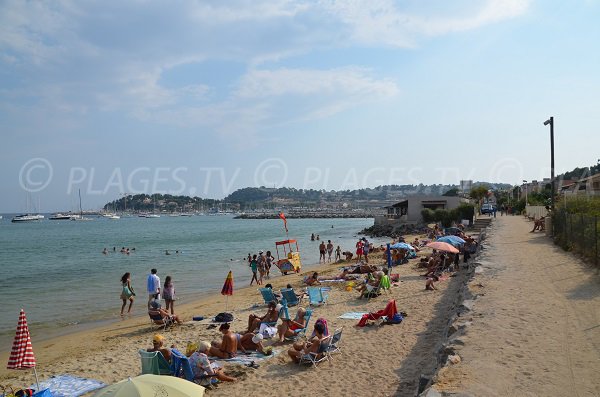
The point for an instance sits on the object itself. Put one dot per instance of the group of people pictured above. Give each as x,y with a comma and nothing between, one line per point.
260,265
123,250
155,290
328,249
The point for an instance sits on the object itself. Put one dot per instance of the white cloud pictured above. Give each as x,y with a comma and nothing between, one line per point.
382,22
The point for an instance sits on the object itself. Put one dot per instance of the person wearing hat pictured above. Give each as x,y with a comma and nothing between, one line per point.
251,341
202,366
158,346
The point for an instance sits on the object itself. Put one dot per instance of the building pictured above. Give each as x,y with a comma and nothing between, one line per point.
408,211
589,186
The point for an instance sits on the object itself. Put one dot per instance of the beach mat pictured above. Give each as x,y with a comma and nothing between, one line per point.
69,386
244,359
352,315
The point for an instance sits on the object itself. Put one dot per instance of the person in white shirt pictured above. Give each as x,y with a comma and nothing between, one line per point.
153,286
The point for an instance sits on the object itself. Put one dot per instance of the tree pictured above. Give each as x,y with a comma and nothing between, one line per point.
479,192
451,192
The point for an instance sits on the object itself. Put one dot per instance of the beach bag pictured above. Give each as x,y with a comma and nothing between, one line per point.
396,319
224,318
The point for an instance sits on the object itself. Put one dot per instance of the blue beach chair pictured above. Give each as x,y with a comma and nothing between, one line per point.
302,331
320,355
181,367
317,296
268,296
290,296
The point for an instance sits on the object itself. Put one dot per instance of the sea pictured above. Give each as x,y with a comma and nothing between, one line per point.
57,273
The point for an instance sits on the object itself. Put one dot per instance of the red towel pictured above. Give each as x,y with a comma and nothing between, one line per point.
389,312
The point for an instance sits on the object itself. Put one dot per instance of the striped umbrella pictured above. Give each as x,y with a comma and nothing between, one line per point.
21,355
227,288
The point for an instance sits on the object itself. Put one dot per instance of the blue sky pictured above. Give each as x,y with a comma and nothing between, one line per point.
203,97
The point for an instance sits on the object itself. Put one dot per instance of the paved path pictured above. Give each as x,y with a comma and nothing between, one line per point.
535,325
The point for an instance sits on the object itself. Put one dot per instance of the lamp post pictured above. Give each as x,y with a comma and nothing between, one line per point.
526,201
550,121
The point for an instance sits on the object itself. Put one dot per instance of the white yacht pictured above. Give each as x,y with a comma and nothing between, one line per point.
27,218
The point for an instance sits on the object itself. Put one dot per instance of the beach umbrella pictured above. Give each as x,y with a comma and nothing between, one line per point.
453,240
441,246
401,245
227,289
152,385
21,355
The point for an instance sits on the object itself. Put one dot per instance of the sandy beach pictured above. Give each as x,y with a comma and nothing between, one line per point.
389,359
539,335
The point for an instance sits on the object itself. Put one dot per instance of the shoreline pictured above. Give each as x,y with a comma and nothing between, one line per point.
109,353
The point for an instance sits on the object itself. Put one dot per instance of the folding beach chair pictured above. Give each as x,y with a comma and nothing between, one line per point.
181,367
317,296
290,296
267,294
336,338
302,331
157,319
154,363
320,355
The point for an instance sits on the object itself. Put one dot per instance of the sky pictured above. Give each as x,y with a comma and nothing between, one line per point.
205,97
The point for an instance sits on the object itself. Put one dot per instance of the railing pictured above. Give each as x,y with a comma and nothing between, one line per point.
578,233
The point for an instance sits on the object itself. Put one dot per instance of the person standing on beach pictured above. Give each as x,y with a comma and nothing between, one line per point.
169,294
366,249
338,253
153,286
254,266
359,250
269,262
329,250
261,264
127,293
322,249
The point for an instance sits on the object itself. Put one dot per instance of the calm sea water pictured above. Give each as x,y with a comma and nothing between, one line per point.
56,271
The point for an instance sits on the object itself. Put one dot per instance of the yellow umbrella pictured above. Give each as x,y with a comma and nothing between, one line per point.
152,385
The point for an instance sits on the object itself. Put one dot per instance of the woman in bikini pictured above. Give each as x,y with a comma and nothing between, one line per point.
287,327
312,346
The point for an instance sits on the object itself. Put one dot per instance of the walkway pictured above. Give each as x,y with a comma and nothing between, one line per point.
535,327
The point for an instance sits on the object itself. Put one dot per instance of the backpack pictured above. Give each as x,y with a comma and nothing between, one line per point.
224,318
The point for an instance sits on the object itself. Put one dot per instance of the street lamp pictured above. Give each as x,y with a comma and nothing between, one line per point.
526,201
550,121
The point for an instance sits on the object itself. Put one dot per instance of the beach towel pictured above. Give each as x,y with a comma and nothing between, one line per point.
267,331
389,312
69,386
352,315
244,359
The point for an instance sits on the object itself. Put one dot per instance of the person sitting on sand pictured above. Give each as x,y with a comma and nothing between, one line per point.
251,341
254,320
311,346
202,366
156,310
348,255
429,283
157,346
228,346
287,327
312,280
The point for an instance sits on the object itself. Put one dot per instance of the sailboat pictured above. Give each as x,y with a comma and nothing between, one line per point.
80,217
27,217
